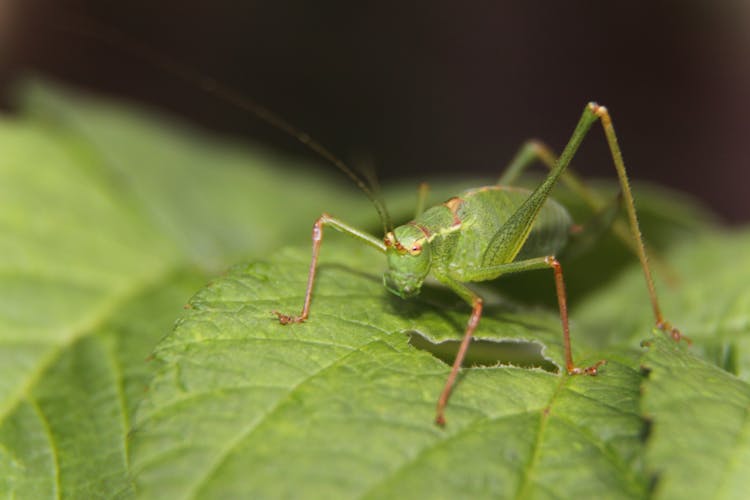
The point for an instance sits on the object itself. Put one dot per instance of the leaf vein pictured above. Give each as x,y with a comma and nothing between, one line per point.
248,431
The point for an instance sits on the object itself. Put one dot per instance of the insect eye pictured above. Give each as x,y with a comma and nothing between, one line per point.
416,250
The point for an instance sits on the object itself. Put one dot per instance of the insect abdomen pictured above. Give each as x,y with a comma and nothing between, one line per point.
482,214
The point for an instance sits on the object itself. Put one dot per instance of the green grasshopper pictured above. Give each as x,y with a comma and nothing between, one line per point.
482,234
479,235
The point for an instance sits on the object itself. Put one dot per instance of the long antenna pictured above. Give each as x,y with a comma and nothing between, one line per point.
115,38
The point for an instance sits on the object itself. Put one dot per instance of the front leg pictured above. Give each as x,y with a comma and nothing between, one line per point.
317,238
476,302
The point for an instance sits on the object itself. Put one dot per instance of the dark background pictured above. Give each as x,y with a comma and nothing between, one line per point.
433,87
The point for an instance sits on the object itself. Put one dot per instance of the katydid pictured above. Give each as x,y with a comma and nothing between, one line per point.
479,235
484,233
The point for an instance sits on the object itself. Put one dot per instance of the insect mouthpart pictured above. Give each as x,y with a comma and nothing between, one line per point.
405,285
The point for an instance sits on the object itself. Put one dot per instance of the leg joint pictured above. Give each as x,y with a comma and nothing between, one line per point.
598,110
317,233
552,262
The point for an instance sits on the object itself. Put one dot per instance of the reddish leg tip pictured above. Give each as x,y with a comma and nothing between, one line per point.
674,333
594,370
440,421
589,370
285,319
677,336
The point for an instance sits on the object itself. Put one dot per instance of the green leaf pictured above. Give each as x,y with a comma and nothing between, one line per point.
215,199
709,301
110,219
102,240
700,438
70,263
342,406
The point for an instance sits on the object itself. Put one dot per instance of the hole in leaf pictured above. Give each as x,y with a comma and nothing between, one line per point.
486,352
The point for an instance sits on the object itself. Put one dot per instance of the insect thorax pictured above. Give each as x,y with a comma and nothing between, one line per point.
471,223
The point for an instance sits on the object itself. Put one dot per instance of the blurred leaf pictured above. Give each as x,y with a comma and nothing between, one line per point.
710,303
215,199
699,445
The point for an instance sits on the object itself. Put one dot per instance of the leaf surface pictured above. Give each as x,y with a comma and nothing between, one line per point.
709,301
700,437
102,244
343,406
